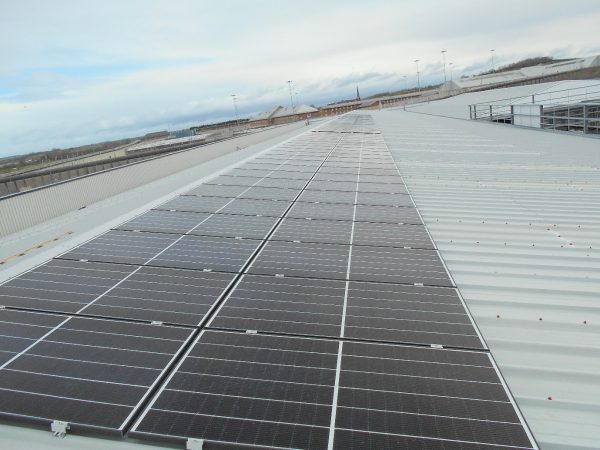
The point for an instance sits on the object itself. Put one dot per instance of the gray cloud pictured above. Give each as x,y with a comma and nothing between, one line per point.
113,69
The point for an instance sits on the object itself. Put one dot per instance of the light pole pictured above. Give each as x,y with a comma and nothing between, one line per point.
418,78
444,61
237,118
291,98
492,52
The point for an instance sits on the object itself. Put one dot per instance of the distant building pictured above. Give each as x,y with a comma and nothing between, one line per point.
183,133
280,114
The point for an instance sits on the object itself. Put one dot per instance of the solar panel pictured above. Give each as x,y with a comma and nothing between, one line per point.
269,193
328,211
90,373
328,196
327,176
125,247
207,253
302,260
304,230
62,285
351,186
284,305
408,314
398,265
391,235
260,390
162,295
237,388
419,398
159,221
274,208
388,214
195,204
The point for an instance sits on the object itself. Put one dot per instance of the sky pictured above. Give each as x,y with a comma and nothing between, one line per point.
75,72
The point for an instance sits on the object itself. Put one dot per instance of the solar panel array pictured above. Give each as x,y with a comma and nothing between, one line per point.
296,301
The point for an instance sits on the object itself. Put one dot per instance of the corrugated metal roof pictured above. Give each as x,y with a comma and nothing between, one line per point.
458,106
516,216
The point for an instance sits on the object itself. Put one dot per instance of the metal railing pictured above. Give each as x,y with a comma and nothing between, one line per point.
579,117
570,110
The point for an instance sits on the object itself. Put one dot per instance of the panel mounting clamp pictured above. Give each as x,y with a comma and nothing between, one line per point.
59,428
194,444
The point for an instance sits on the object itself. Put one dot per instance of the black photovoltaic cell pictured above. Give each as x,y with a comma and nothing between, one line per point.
327,211
423,397
391,235
382,199
282,183
88,372
158,221
415,314
388,214
397,179
348,186
328,196
284,305
351,197
207,253
351,186
378,186
226,225
19,330
302,260
62,285
273,208
268,193
328,176
398,265
165,295
305,230
126,247
248,389
195,204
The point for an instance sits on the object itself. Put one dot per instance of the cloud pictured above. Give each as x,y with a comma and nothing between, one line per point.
113,69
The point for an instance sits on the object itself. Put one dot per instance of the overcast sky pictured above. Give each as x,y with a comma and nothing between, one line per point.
74,72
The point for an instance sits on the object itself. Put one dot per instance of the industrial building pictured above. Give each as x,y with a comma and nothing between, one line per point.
409,277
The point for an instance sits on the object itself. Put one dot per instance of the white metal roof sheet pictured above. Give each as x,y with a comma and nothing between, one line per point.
516,216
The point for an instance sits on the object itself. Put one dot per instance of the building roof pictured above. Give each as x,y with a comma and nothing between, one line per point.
458,105
281,111
538,71
514,214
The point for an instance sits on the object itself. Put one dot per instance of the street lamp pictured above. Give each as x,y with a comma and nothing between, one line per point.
418,78
237,118
291,98
444,60
492,52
